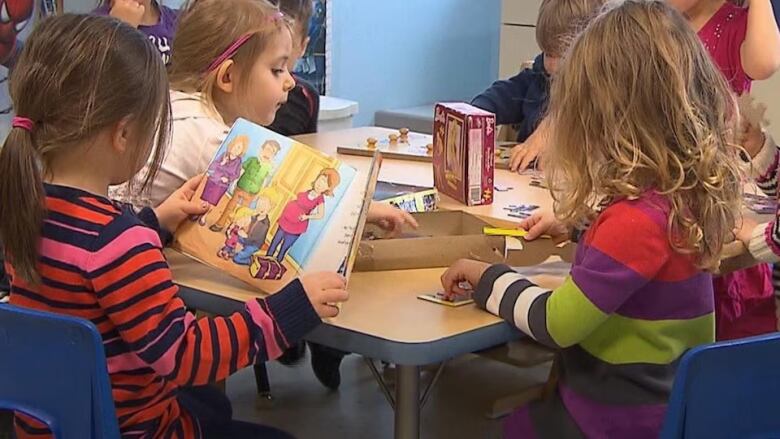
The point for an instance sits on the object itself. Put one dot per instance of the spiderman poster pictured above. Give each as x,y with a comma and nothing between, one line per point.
311,66
15,18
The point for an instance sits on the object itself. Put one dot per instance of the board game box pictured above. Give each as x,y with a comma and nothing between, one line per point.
464,152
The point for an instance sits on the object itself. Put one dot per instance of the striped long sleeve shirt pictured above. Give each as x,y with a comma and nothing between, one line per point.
101,262
622,319
765,242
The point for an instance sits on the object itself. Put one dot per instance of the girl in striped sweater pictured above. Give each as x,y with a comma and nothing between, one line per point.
92,97
642,153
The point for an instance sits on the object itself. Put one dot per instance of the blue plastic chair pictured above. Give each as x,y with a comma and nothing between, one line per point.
53,367
727,390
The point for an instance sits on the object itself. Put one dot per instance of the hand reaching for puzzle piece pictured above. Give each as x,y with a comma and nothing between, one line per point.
751,111
390,219
753,120
752,138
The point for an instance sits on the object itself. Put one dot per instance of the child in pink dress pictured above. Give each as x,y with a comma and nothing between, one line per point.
307,205
745,45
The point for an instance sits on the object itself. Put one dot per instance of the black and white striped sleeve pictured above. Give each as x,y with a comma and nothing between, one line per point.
509,295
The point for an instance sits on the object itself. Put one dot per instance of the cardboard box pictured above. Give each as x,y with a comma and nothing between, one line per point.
464,144
446,236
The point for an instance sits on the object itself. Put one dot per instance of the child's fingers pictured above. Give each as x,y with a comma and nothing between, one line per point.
192,184
527,223
409,220
536,230
457,290
529,157
327,311
517,157
334,295
195,207
444,279
449,280
390,227
393,225
329,280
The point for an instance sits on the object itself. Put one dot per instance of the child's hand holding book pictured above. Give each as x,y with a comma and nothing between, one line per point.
180,205
325,291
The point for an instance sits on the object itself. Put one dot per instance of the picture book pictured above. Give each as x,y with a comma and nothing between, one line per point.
278,209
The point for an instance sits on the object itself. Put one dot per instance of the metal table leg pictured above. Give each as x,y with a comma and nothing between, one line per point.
407,400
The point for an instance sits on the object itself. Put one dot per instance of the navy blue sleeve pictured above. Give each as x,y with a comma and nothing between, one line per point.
148,217
505,98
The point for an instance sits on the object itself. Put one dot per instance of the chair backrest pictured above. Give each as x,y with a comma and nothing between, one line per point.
53,367
727,390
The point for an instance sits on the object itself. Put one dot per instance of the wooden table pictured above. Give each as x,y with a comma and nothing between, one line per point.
383,319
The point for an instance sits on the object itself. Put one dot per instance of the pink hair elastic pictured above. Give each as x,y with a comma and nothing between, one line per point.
23,123
233,48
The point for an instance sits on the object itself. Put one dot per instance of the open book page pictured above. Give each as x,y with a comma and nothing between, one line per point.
345,229
278,209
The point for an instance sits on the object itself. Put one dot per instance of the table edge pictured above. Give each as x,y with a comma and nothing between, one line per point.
372,346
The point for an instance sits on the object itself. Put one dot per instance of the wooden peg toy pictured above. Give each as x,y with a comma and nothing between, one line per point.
371,142
404,134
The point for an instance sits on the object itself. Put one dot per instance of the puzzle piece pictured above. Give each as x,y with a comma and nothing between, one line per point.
521,211
500,231
760,204
443,299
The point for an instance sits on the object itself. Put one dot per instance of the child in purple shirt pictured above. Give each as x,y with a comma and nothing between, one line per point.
156,21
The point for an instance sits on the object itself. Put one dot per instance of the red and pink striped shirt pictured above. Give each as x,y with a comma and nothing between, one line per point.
104,263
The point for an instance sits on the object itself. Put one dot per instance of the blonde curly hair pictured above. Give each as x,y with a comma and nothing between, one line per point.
638,105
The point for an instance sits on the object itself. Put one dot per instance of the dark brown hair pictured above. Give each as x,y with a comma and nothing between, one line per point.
299,11
77,75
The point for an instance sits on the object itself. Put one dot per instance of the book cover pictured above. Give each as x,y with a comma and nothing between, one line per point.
278,209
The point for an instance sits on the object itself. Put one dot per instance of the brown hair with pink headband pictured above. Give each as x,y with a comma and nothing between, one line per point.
78,75
213,31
